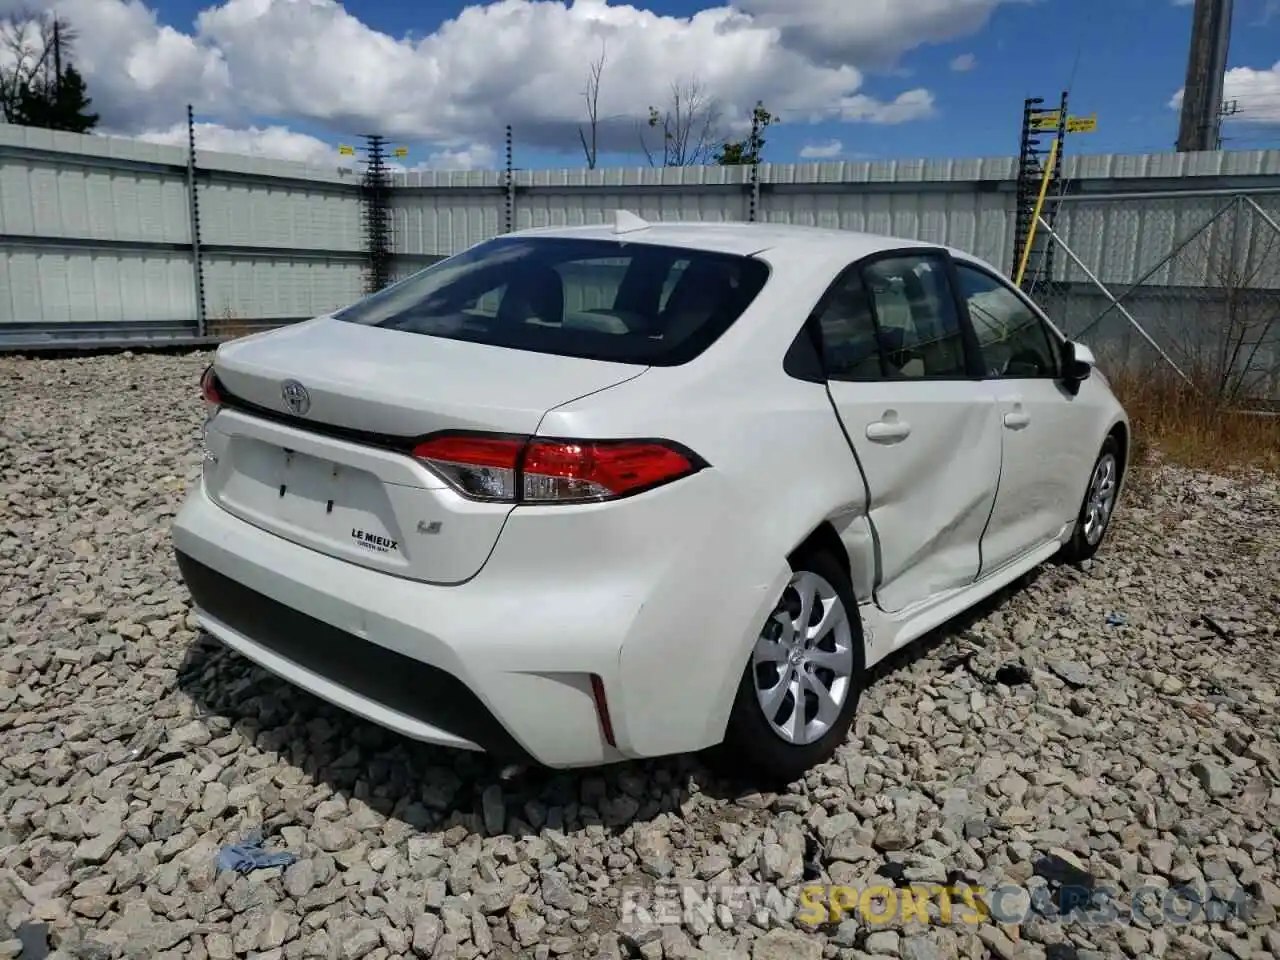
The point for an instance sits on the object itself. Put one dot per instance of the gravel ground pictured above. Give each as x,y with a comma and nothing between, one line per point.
1107,729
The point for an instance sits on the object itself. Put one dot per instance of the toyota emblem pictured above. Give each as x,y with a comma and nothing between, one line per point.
295,397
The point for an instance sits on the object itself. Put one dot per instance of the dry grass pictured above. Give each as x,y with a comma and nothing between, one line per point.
228,325
1174,423
230,331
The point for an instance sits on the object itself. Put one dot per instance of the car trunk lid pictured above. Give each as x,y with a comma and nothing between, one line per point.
334,472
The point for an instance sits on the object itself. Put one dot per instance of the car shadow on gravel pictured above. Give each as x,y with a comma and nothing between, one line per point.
427,787
431,787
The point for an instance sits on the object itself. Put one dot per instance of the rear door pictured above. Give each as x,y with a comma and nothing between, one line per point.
1047,433
926,432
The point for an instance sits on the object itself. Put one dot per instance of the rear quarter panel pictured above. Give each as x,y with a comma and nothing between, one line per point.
783,466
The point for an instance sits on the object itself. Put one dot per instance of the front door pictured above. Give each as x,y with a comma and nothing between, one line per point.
925,432
1042,443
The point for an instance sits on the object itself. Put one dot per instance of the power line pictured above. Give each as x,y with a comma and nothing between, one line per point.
1255,140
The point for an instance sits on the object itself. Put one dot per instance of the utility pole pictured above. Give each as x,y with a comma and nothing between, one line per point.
1201,119
57,51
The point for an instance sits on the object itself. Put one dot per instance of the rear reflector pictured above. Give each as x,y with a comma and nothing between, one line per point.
536,470
602,710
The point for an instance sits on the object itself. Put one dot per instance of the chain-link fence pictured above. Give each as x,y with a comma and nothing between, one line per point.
1191,281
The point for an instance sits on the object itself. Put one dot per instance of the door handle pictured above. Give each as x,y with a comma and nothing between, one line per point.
1016,420
888,431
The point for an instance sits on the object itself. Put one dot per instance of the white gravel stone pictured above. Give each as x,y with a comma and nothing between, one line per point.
1032,741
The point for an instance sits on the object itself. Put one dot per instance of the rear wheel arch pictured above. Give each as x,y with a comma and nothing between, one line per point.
823,539
750,741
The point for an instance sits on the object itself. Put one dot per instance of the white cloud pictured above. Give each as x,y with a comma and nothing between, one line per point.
871,32
1256,92
964,63
522,62
821,151
279,143
474,156
914,104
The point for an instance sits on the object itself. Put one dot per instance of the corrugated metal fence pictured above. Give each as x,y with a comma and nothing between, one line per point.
96,232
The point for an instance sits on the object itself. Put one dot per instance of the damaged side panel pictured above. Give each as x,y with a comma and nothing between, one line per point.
930,454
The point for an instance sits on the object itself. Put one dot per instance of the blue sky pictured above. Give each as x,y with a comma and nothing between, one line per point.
1122,59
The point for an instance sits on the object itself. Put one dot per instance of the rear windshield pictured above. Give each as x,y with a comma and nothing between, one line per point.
600,299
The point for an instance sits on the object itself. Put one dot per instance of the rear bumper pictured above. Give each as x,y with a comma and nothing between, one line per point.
639,597
418,700
376,645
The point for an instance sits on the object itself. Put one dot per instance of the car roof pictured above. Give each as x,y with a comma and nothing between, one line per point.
739,238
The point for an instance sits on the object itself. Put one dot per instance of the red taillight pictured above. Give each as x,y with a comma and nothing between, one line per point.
534,470
565,470
209,388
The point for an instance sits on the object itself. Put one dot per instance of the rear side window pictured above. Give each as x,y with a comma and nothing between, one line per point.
915,311
850,347
598,299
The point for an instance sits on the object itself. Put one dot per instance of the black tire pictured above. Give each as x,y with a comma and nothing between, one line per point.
751,746
1082,546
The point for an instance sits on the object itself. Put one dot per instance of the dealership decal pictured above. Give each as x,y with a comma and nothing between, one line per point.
371,541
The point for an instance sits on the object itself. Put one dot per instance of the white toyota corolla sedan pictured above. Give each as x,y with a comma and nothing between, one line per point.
582,494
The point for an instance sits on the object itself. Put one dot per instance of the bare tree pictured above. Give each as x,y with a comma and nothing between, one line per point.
686,126
1244,358
592,97
33,48
1228,340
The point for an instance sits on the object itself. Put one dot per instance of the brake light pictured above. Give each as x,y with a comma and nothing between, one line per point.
537,470
209,388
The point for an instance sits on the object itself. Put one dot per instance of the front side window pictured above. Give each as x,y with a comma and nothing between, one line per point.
600,299
1014,342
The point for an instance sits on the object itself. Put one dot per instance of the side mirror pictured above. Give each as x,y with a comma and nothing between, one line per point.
1078,363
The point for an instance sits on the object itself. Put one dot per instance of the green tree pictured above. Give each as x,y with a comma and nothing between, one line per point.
746,152
62,106
39,87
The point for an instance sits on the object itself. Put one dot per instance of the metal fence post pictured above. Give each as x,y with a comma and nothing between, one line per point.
754,146
510,184
754,213
197,263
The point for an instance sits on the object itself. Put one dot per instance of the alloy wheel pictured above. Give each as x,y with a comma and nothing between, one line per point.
803,660
1102,498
